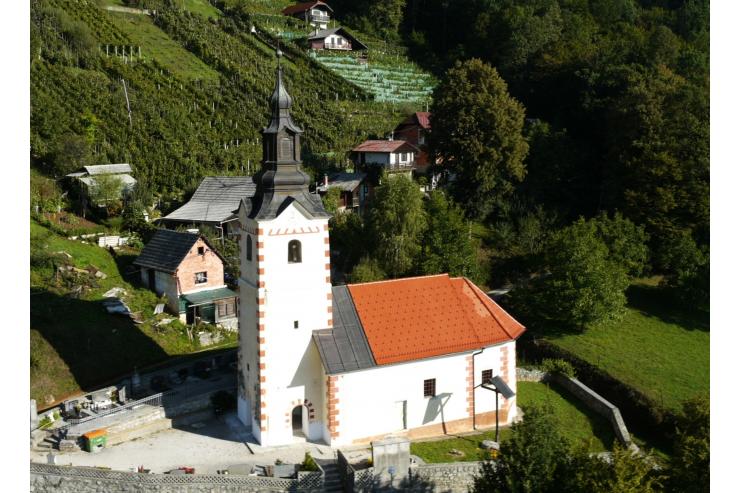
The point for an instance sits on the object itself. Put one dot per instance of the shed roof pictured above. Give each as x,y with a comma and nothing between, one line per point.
422,317
209,296
385,146
302,7
346,182
420,118
167,249
216,200
126,180
108,169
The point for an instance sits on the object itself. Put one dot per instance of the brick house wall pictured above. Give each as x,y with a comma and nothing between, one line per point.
194,262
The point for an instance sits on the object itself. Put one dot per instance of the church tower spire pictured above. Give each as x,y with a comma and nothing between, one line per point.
282,178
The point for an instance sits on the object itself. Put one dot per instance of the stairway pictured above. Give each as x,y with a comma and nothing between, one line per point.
332,477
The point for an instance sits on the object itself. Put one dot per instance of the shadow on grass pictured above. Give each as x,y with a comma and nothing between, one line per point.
663,303
125,263
95,345
600,426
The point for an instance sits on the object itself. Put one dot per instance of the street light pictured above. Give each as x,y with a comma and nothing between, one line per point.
497,384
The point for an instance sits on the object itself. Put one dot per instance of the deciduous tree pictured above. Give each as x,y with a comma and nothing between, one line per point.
477,132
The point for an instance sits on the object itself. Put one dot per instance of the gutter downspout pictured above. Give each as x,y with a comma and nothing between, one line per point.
473,383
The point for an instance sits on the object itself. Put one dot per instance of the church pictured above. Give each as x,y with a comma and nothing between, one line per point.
352,363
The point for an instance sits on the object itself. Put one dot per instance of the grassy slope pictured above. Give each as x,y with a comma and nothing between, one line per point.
659,347
155,44
75,343
576,422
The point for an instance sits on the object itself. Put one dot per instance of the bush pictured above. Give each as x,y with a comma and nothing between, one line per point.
559,366
367,270
309,464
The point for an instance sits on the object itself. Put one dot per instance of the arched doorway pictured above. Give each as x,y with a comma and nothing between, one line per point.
297,421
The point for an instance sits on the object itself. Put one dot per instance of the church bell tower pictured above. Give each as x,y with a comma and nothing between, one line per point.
284,289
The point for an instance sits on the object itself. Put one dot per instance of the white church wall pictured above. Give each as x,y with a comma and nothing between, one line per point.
370,402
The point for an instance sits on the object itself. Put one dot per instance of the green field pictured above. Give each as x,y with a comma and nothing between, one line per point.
157,45
660,347
75,343
576,422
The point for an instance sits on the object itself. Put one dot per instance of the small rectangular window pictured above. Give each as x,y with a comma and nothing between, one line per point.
201,250
201,277
295,324
430,387
486,376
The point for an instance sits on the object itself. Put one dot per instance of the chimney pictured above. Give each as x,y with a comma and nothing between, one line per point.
326,180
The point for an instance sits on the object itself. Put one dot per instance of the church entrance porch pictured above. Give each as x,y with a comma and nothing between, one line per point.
297,422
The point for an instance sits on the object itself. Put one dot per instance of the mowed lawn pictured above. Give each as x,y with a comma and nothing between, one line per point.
576,422
156,44
660,347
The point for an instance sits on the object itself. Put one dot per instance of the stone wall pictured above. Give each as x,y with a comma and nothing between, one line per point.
453,477
62,479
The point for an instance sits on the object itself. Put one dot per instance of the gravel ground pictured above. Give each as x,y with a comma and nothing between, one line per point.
207,446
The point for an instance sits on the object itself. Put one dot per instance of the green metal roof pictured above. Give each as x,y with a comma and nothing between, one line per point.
206,297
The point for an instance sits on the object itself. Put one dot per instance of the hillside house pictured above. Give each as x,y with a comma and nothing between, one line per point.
316,14
213,204
353,190
190,272
415,130
336,38
352,364
395,156
88,183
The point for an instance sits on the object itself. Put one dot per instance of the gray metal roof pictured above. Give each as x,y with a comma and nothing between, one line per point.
108,169
347,182
344,347
215,200
166,250
127,181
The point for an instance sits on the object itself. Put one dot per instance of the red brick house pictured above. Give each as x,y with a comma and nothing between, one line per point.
415,130
190,272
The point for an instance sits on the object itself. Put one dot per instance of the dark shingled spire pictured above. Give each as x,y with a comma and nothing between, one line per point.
281,180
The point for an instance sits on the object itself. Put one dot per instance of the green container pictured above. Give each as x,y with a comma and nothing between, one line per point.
95,441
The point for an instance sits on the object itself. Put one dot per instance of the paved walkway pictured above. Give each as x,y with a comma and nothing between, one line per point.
207,446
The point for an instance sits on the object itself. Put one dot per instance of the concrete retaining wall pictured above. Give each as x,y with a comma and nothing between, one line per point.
584,394
63,479
596,403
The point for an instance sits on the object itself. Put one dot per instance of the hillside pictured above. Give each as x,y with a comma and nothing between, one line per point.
197,88
75,343
386,72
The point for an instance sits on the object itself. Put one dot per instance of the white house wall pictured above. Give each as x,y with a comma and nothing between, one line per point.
369,402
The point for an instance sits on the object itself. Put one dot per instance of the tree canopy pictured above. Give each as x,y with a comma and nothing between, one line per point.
477,133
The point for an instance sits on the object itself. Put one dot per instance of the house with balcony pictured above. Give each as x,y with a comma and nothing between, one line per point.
336,38
415,129
394,156
316,14
186,269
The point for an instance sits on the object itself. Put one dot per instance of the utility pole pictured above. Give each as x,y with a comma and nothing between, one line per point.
128,104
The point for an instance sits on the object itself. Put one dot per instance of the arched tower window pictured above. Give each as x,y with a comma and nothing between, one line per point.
294,252
249,247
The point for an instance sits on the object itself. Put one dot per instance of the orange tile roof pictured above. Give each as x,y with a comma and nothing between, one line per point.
96,433
422,317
